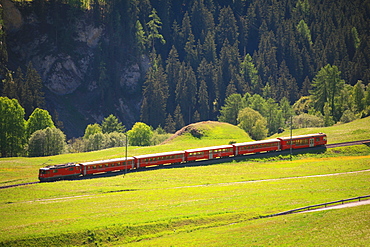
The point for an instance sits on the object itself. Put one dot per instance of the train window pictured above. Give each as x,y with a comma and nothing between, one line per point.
71,169
55,171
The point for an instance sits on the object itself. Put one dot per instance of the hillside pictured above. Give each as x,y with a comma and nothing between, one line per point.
95,57
353,131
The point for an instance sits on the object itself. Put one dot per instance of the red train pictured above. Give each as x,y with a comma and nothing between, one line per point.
70,170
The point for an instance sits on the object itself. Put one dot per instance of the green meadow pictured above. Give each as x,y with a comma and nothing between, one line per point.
214,205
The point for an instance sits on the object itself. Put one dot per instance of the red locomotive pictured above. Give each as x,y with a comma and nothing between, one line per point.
71,170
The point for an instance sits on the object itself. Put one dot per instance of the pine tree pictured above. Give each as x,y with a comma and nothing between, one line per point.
178,118
172,70
203,101
227,28
170,126
186,91
32,95
153,26
112,124
155,94
326,87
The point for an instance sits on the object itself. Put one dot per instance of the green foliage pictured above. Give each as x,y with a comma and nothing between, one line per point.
112,124
229,112
253,123
46,142
326,88
154,25
359,96
348,116
39,119
305,120
95,142
155,92
355,37
304,31
140,134
12,126
92,129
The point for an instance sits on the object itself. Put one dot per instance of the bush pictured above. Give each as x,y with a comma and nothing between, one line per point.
348,116
49,141
306,120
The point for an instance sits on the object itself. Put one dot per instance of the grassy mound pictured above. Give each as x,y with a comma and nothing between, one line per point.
215,133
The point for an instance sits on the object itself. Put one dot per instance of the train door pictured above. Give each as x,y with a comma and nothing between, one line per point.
312,142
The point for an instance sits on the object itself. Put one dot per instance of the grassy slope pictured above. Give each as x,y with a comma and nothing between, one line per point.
165,205
353,131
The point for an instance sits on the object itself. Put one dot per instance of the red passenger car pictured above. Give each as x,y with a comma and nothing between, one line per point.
209,153
257,146
56,172
111,165
303,141
159,159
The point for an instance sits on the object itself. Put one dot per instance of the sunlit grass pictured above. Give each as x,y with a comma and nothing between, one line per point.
353,131
188,202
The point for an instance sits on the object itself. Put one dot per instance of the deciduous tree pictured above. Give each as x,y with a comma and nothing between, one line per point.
12,127
39,119
140,134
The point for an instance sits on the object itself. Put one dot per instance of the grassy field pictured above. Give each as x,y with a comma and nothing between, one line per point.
191,206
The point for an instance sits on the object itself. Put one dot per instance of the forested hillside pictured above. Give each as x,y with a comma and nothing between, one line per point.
171,63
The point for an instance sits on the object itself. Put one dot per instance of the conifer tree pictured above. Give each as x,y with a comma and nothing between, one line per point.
112,124
326,87
170,126
154,25
203,101
227,28
178,118
32,95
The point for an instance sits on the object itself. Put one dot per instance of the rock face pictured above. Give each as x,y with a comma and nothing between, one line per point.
70,74
12,16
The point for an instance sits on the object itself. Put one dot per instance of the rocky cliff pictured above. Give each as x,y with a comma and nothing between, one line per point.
67,55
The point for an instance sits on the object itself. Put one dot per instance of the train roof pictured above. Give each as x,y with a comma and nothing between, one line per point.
256,142
98,162
302,136
144,156
50,167
208,148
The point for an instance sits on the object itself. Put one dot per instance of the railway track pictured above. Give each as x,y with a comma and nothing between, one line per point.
343,144
208,162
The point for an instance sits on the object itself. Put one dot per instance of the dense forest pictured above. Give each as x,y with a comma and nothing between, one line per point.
199,53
